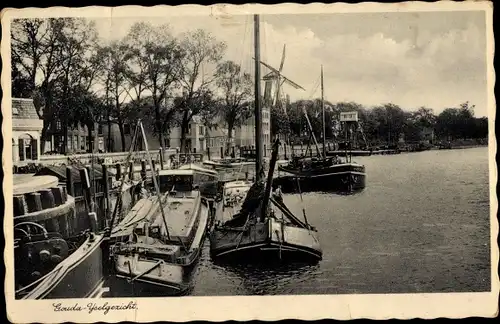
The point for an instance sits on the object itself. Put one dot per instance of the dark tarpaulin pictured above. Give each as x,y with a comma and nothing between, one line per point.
252,201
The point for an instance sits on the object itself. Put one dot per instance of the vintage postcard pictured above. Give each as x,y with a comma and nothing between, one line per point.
240,162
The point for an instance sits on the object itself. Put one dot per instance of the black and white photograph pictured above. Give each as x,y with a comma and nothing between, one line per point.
165,157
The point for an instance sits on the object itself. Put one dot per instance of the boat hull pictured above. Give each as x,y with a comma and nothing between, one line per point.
265,242
168,280
65,280
342,177
227,165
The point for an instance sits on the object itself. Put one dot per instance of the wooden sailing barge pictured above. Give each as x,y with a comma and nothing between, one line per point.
322,173
259,232
157,244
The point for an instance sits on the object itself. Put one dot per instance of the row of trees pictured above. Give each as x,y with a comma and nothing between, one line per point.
74,77
382,124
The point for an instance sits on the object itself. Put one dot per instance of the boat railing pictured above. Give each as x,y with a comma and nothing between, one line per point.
186,259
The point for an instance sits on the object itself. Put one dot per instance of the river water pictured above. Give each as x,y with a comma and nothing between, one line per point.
421,225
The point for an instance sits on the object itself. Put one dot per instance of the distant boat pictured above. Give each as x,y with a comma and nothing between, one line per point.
159,241
228,163
316,174
322,173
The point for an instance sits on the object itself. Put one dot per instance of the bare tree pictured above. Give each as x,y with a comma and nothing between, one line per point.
158,58
199,48
35,50
236,88
54,56
117,57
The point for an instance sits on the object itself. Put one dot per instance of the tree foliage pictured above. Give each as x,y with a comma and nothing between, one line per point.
166,81
54,60
381,125
236,94
200,49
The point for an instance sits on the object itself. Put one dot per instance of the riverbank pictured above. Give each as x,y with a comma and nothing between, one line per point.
460,147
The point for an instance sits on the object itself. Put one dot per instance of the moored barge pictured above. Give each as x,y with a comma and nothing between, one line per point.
53,248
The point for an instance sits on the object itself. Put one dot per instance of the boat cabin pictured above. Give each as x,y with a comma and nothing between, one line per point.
189,178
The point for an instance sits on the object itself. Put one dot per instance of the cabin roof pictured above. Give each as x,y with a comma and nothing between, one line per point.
237,184
59,171
25,183
175,172
195,167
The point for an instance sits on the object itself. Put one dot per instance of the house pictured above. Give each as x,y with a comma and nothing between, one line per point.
78,138
244,136
113,143
26,132
198,137
427,135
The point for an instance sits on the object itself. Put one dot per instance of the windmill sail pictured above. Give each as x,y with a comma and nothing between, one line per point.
284,78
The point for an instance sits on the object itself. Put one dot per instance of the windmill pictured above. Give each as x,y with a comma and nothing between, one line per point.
276,77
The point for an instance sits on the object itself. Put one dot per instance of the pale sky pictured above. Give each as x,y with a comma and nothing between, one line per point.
432,59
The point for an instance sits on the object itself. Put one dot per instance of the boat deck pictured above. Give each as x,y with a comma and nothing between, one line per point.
140,211
180,214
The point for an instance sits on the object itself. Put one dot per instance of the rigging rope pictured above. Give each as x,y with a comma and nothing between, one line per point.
242,55
315,87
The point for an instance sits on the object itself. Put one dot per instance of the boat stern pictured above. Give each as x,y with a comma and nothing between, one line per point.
302,242
146,277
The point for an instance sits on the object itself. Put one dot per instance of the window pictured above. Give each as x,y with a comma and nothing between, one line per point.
126,129
58,125
201,130
28,148
15,111
100,129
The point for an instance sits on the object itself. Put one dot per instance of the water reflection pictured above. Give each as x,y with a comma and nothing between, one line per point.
270,278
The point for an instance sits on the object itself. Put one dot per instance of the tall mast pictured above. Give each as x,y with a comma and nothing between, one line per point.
323,110
258,111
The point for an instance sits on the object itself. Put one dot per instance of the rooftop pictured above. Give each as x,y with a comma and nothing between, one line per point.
23,109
